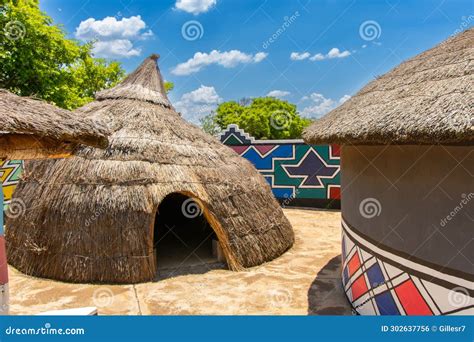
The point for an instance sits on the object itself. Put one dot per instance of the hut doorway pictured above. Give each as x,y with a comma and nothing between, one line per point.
183,241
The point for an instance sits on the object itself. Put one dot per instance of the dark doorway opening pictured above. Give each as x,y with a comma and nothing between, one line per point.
184,242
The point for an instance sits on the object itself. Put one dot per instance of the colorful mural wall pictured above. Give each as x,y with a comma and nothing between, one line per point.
10,172
379,282
308,175
9,177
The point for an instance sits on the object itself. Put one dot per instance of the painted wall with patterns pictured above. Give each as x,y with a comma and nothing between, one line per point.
10,172
299,174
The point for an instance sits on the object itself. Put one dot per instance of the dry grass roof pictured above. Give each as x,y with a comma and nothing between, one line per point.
90,218
428,99
29,124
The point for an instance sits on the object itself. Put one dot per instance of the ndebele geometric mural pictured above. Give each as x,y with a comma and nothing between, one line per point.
307,175
10,171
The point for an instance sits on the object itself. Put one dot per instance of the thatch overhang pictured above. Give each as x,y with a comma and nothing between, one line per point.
33,129
90,218
428,99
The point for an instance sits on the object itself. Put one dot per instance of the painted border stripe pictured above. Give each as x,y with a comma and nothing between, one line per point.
408,263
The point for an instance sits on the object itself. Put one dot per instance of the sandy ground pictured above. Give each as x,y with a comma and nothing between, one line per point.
305,280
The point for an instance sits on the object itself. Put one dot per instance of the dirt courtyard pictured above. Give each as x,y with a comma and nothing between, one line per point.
305,280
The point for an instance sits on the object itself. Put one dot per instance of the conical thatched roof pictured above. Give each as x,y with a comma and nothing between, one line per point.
90,218
425,100
31,128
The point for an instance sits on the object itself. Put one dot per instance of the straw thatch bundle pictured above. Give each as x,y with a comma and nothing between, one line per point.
33,129
90,218
425,100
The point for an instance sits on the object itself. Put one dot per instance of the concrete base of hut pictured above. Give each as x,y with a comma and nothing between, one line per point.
305,280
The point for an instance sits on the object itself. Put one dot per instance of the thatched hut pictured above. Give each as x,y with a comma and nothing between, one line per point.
33,129
103,215
407,184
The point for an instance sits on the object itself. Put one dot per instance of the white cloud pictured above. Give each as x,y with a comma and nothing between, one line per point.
114,38
259,56
198,103
317,57
344,99
296,56
115,48
195,6
278,93
333,53
321,105
227,59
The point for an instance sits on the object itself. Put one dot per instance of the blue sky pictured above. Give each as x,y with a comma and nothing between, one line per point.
312,53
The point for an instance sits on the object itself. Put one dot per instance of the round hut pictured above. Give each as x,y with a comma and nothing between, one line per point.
34,129
408,185
162,191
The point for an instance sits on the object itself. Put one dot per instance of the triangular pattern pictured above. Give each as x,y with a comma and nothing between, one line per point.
380,288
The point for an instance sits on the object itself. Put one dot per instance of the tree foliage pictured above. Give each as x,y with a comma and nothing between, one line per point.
209,124
169,86
263,118
36,58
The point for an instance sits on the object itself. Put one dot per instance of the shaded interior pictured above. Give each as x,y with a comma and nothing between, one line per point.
183,239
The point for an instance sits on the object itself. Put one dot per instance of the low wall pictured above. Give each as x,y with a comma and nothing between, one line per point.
299,174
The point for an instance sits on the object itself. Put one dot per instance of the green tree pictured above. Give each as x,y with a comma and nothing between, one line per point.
228,113
209,124
169,86
263,118
36,58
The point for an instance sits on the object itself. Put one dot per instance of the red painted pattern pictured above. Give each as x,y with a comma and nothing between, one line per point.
335,151
264,149
359,287
335,192
354,264
411,299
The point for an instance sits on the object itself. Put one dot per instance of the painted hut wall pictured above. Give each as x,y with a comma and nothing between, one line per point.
10,172
298,174
3,265
407,228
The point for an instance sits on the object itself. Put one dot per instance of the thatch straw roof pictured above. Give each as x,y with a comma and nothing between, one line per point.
90,218
425,100
31,128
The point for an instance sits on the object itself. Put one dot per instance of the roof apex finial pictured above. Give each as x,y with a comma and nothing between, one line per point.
155,56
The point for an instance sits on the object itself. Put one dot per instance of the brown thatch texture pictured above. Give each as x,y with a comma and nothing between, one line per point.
425,100
90,218
31,128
